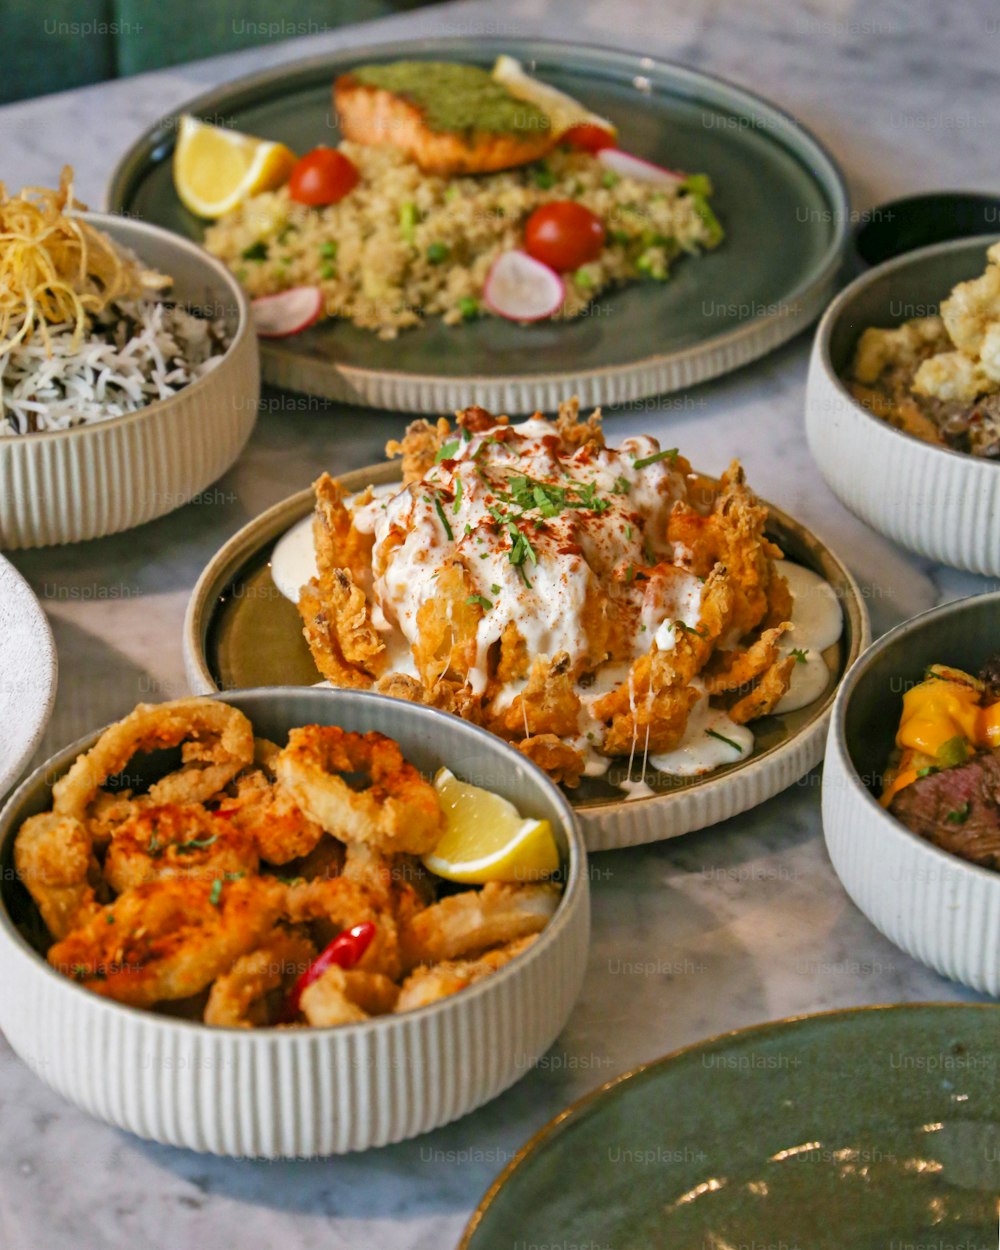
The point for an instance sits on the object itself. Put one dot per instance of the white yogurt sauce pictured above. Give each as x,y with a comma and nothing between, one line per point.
710,740
817,623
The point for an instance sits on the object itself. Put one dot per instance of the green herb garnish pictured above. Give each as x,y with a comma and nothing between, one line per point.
800,655
728,741
256,251
960,815
438,252
446,451
444,520
669,453
216,893
483,602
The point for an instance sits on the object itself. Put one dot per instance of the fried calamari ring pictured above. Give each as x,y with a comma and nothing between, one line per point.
349,996
397,811
267,813
238,998
168,939
54,858
183,842
217,742
473,921
426,984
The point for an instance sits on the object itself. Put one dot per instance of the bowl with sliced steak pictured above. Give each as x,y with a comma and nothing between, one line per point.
903,400
911,788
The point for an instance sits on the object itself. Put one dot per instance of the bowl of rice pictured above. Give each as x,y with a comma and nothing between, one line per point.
129,375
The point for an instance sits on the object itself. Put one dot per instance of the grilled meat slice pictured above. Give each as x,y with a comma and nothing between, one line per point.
958,809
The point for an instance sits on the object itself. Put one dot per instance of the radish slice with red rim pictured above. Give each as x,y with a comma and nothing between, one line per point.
628,166
288,312
521,288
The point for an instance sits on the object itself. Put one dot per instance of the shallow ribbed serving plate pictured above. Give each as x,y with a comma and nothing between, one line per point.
876,1128
28,672
938,502
241,631
69,485
779,195
940,909
288,1093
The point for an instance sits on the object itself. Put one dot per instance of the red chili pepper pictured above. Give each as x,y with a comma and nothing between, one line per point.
344,951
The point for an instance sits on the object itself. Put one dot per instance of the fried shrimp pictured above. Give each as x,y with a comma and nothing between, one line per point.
168,939
216,741
54,858
427,985
397,811
238,999
467,923
177,841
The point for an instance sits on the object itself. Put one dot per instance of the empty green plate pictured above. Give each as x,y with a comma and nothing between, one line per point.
779,195
871,1129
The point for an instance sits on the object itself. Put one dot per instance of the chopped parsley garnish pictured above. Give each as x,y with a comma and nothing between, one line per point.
483,602
926,772
328,250
630,573
495,588
437,252
216,893
960,815
110,919
621,486
256,251
154,848
458,499
668,453
466,434
690,629
628,533
444,520
728,741
446,451
800,655
196,844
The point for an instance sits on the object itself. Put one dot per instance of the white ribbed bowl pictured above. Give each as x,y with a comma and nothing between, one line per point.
937,907
939,503
97,479
280,1093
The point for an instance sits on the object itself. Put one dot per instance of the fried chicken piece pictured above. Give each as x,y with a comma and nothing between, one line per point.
419,447
656,724
447,626
563,763
574,433
548,704
730,670
346,646
732,535
763,698
335,540
467,923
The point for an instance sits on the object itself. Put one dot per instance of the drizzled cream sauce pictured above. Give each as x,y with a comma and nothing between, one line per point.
545,593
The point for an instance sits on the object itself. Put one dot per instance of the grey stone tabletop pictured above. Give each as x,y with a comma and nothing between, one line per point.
740,923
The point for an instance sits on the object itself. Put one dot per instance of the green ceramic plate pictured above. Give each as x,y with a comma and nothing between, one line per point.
779,195
241,631
871,1129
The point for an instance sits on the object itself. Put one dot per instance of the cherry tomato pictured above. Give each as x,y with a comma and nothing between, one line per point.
588,137
322,176
563,235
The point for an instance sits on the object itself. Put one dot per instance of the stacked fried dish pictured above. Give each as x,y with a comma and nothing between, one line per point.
261,885
581,601
944,778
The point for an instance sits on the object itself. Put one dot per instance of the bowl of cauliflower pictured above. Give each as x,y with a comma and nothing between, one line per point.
903,401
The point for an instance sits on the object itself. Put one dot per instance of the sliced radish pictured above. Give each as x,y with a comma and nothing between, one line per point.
629,166
521,288
288,312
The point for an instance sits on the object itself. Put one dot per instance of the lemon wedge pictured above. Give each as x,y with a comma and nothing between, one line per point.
216,169
487,839
561,109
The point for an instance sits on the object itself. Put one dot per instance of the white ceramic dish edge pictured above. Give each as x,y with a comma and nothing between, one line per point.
29,670
99,479
312,1092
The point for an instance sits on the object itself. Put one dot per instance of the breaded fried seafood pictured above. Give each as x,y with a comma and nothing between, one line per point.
581,601
261,885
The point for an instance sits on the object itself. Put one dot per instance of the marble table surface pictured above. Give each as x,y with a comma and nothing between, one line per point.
737,924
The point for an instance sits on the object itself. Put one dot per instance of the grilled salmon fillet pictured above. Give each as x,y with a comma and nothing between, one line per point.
375,115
